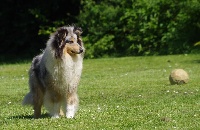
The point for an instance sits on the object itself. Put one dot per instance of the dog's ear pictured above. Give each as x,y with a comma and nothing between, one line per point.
60,36
59,41
62,33
78,31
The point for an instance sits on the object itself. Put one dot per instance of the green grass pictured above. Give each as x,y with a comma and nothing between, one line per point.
115,93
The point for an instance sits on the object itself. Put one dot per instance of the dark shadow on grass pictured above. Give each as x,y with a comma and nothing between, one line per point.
196,61
192,61
29,116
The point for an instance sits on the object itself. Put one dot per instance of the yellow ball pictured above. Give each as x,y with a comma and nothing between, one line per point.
178,76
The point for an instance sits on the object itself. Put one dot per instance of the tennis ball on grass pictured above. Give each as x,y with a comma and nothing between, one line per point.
178,76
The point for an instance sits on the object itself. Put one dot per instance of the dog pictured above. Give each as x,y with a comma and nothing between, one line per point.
54,75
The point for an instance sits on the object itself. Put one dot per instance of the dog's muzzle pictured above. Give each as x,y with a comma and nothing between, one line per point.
80,51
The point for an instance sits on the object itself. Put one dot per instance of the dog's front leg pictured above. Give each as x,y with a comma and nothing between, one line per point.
72,98
72,104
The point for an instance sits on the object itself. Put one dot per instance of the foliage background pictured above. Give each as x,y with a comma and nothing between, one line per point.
111,27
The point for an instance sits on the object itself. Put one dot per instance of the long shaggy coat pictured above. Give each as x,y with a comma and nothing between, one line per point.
54,75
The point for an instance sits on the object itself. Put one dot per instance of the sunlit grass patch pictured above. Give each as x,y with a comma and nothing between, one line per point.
115,93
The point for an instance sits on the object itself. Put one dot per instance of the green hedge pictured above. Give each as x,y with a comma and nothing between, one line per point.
111,27
139,27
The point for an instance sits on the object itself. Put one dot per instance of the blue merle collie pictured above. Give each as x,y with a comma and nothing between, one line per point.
55,74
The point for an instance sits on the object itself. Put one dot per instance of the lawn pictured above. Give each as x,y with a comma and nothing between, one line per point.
115,93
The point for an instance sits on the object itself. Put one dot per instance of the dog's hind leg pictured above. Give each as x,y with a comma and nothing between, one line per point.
37,102
72,104
36,87
37,91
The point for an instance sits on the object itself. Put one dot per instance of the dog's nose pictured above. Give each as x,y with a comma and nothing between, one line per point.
81,50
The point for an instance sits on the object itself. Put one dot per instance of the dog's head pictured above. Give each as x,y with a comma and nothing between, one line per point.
67,40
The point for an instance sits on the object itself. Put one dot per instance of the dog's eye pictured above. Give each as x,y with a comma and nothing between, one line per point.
68,41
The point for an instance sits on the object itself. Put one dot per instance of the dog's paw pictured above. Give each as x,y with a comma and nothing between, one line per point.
55,116
70,117
71,109
70,114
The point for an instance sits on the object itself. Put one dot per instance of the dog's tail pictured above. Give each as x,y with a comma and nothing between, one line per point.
28,99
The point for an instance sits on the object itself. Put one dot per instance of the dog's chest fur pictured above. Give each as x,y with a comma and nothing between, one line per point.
65,73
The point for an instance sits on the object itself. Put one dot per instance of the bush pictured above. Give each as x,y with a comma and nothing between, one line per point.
26,25
139,27
111,27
